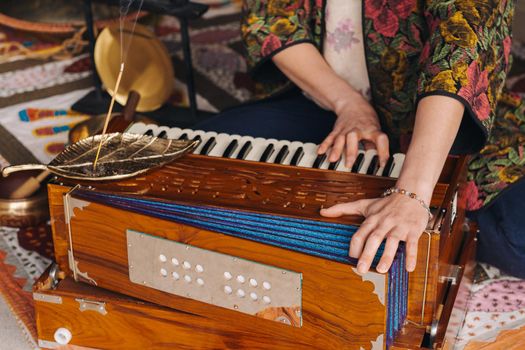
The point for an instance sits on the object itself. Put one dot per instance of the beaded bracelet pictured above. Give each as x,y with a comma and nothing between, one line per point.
412,195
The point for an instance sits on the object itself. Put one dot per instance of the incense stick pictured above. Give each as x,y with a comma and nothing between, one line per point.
106,122
124,9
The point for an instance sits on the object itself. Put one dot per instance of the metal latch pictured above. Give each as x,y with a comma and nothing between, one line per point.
449,273
89,305
47,298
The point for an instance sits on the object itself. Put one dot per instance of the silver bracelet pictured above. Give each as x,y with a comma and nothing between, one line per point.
412,195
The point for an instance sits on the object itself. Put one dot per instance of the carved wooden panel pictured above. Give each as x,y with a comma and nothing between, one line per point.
265,188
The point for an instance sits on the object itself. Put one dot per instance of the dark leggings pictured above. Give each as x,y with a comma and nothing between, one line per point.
501,240
290,117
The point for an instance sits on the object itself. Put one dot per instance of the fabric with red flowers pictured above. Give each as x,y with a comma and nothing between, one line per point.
456,48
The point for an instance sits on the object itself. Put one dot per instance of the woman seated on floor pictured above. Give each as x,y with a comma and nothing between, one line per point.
422,79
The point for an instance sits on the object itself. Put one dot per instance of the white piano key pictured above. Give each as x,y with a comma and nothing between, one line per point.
141,128
366,161
236,151
326,162
189,133
137,128
293,148
399,159
205,136
278,145
379,171
161,129
223,140
310,154
342,164
259,145
271,156
242,141
175,133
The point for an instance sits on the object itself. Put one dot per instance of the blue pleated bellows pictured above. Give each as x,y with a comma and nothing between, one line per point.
322,239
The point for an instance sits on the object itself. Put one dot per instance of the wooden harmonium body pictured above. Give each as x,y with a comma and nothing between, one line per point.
240,255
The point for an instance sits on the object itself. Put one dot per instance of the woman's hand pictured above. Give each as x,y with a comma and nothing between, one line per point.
356,122
396,218
356,119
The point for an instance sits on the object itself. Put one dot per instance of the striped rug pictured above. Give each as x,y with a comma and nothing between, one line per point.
221,82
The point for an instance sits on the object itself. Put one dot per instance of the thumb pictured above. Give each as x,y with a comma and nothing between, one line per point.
352,208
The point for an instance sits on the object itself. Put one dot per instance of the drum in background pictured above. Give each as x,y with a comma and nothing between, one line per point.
148,69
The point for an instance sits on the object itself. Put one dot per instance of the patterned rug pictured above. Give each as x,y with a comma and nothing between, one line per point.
35,116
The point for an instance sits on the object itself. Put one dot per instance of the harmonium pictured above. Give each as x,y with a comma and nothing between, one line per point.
225,249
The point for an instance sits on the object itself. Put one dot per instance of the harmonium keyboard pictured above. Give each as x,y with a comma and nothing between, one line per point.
225,249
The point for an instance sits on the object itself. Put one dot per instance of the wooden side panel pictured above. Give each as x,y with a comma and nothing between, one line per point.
58,224
452,232
453,302
340,309
445,247
417,288
409,337
263,188
131,324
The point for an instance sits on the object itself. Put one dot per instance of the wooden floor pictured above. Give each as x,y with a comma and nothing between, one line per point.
513,339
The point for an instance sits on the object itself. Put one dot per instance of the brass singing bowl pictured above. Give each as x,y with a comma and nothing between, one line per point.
148,69
22,212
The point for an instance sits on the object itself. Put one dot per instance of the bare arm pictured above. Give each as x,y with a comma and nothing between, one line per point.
397,217
305,66
437,124
356,119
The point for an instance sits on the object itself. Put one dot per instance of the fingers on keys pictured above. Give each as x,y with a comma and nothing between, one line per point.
348,143
381,142
352,145
328,141
337,148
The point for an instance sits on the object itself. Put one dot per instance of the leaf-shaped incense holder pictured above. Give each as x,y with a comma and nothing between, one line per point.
122,156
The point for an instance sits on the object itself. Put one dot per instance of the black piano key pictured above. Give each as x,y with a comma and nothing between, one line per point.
373,166
230,149
268,151
163,135
297,156
388,167
281,156
149,132
197,138
358,162
245,149
334,165
319,161
183,136
208,146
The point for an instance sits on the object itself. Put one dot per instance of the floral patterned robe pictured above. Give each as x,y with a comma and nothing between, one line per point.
457,48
